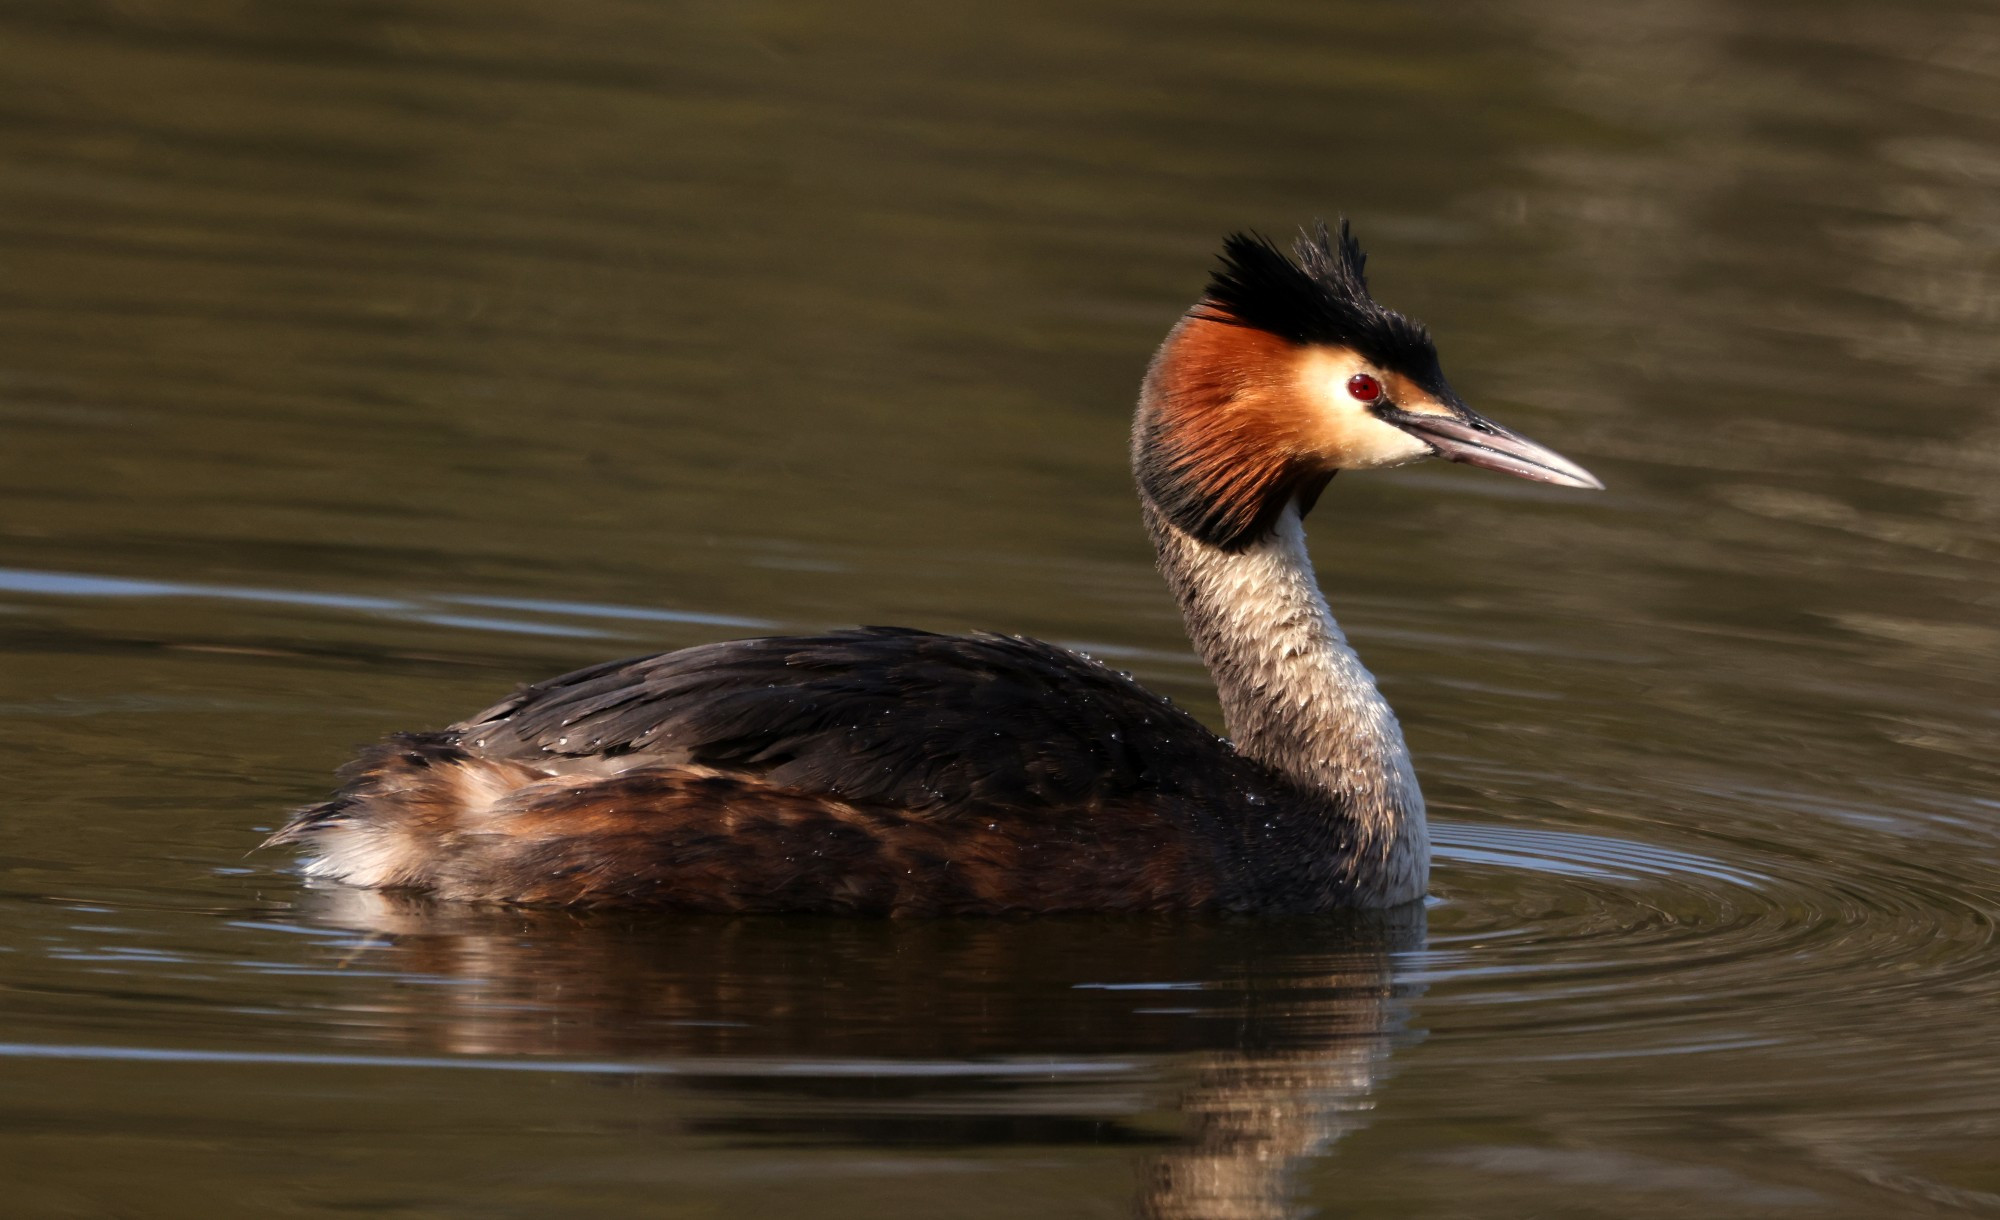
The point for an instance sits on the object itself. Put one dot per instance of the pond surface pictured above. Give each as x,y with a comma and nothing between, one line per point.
361,360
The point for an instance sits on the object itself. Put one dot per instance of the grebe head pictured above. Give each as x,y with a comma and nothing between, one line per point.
1287,372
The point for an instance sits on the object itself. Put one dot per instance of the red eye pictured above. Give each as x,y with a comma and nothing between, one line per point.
1364,387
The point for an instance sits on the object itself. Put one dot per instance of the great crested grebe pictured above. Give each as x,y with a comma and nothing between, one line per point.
891,771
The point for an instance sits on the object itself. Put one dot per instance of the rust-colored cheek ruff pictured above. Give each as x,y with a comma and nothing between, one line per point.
1225,441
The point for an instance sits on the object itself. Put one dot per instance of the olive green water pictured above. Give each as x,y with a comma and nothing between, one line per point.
360,360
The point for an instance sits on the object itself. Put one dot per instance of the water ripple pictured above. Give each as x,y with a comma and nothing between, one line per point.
436,609
1590,931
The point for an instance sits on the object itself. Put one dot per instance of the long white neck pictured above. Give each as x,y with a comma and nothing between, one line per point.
1297,699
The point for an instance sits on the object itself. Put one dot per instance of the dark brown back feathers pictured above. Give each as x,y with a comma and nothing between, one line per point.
877,770
941,725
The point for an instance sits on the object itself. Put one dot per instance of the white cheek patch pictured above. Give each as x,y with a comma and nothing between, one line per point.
1351,436
1380,444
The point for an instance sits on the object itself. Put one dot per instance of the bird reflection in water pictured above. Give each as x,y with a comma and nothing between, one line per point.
1265,1039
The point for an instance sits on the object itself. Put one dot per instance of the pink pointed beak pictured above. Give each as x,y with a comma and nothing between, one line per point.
1477,441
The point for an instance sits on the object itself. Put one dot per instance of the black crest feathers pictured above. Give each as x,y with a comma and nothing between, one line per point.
1317,295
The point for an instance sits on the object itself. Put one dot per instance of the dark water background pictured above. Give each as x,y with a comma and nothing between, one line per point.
359,360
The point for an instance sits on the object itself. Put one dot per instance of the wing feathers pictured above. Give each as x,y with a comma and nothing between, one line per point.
930,723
